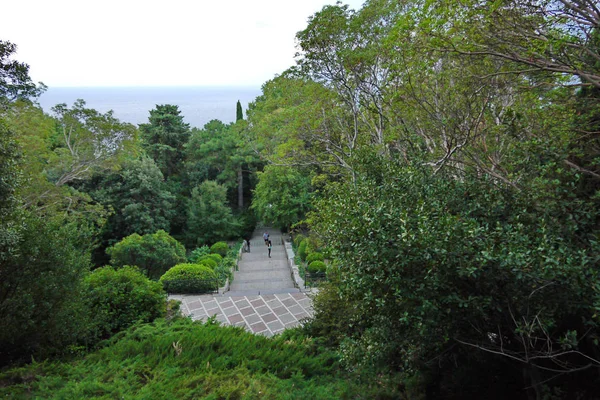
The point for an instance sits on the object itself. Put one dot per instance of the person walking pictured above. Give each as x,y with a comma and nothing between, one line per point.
248,245
269,247
266,238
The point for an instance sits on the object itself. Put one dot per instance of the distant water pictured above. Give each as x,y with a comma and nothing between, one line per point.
198,105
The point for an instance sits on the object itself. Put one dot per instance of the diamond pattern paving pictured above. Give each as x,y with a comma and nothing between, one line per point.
256,315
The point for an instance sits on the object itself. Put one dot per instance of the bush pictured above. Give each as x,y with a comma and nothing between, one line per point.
219,248
198,253
152,253
298,239
317,266
189,278
216,257
314,257
118,298
302,249
208,261
41,298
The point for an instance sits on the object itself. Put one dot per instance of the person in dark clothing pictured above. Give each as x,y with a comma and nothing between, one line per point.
269,247
248,245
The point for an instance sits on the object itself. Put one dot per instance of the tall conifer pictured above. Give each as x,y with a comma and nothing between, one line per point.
239,113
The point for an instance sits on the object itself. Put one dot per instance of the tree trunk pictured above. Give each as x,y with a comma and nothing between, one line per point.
240,188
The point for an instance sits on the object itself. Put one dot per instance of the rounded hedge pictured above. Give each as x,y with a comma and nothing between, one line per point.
153,253
217,257
208,261
302,250
189,278
317,266
219,248
314,257
118,298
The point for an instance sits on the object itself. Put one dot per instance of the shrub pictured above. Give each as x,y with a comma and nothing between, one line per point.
317,266
314,257
219,248
118,298
302,249
208,261
216,257
198,253
298,239
189,278
312,245
152,253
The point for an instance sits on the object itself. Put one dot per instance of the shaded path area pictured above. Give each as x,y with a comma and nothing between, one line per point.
262,297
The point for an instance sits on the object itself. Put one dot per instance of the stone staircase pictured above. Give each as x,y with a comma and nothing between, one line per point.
259,274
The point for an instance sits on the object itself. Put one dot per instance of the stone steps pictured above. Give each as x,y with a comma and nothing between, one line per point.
259,273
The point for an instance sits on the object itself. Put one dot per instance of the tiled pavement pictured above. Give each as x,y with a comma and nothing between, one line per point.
266,314
262,297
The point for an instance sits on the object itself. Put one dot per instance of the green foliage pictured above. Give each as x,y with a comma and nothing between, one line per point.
42,264
282,196
219,248
437,263
209,217
208,261
164,138
15,82
298,238
152,253
217,257
200,361
139,197
87,141
198,253
317,266
119,298
222,153
239,113
314,257
189,278
9,171
302,249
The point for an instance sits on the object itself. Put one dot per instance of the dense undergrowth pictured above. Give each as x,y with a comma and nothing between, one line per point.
186,360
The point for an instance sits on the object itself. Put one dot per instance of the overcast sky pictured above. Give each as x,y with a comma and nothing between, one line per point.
156,43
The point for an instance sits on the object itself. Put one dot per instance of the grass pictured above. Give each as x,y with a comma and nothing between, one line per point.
183,359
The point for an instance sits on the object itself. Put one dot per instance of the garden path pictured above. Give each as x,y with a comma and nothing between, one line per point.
262,297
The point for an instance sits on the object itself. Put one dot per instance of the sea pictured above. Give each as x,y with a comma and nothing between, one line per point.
198,105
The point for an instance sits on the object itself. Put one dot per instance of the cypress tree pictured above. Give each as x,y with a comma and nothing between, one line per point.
239,113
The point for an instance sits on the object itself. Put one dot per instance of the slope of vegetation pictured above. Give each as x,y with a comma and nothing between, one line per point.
185,360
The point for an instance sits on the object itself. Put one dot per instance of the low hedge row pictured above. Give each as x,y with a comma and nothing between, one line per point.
190,278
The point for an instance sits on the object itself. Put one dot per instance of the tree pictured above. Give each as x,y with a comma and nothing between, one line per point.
138,197
164,138
282,196
209,217
15,82
222,153
442,267
87,141
41,308
239,114
153,253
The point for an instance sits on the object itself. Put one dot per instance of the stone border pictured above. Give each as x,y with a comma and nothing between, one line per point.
298,281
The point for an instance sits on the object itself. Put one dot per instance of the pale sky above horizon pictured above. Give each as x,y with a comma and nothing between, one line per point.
157,43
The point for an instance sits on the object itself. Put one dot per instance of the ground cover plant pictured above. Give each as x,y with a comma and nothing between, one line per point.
186,359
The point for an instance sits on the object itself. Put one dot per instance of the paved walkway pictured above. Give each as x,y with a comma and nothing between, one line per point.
262,297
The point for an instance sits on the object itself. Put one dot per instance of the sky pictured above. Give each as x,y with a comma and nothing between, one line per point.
156,43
